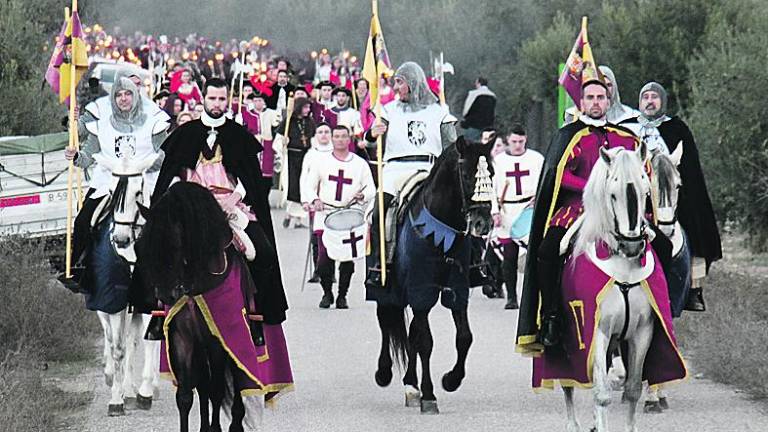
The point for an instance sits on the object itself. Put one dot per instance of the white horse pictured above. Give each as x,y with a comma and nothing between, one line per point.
666,182
129,188
614,203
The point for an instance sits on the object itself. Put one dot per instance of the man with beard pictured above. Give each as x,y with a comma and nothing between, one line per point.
573,152
222,156
414,131
663,133
617,111
281,91
124,130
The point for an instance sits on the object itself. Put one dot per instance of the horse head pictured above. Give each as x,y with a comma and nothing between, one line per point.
183,242
475,175
126,194
666,182
614,202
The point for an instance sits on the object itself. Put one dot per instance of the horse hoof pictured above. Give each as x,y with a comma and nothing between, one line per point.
116,410
663,403
652,407
383,377
429,407
412,397
450,382
143,403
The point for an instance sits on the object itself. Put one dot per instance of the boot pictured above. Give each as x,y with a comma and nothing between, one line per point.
345,276
327,299
549,286
695,302
511,300
509,271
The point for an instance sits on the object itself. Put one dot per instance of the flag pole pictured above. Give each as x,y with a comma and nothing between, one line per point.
380,171
72,145
242,72
442,80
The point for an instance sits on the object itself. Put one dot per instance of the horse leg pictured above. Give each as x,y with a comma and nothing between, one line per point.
424,349
602,390
150,367
411,379
652,401
184,399
638,348
217,359
238,412
452,380
181,357
384,372
203,393
109,364
570,411
117,324
131,342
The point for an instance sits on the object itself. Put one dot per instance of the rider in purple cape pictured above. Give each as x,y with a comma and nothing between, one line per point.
569,160
238,152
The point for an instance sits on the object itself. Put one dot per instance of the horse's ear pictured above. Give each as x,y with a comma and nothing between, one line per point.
461,144
605,155
677,155
642,151
144,211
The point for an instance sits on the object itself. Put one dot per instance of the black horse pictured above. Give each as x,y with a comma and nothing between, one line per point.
184,251
431,263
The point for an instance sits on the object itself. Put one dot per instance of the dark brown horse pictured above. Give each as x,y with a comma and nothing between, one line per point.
184,252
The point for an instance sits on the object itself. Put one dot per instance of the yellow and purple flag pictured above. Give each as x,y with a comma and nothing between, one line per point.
580,67
70,49
376,58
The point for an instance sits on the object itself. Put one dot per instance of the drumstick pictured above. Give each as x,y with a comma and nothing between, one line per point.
354,200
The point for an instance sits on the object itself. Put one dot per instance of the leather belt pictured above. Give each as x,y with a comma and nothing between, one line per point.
517,201
419,158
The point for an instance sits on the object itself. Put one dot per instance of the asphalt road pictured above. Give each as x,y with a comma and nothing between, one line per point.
333,353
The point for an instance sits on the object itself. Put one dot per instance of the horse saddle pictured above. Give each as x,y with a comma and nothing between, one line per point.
395,213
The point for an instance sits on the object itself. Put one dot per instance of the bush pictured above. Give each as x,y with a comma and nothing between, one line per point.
728,81
41,323
728,341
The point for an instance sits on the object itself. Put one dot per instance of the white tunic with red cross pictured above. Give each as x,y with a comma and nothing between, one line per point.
336,182
515,181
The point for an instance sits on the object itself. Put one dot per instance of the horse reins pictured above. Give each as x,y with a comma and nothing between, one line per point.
624,289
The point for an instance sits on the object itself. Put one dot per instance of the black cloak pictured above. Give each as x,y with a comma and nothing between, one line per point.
240,158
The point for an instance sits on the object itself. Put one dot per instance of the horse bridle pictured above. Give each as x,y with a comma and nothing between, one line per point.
134,224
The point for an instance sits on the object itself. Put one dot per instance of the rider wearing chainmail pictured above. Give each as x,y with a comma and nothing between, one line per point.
414,130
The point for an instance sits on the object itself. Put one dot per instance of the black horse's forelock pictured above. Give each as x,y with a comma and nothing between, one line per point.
186,232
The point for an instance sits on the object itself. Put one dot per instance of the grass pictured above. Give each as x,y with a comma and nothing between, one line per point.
41,323
728,342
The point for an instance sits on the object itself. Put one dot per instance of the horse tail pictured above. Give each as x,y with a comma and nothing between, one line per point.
392,323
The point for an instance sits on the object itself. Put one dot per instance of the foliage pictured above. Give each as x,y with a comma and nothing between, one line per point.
29,107
729,116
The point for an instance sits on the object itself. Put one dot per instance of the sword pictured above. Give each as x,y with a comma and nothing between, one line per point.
309,255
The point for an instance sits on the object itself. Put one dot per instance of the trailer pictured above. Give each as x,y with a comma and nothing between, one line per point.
33,185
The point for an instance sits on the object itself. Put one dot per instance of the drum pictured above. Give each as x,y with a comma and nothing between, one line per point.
345,234
344,219
521,227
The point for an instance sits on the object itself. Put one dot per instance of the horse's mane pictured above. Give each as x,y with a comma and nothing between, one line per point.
597,220
665,174
186,231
